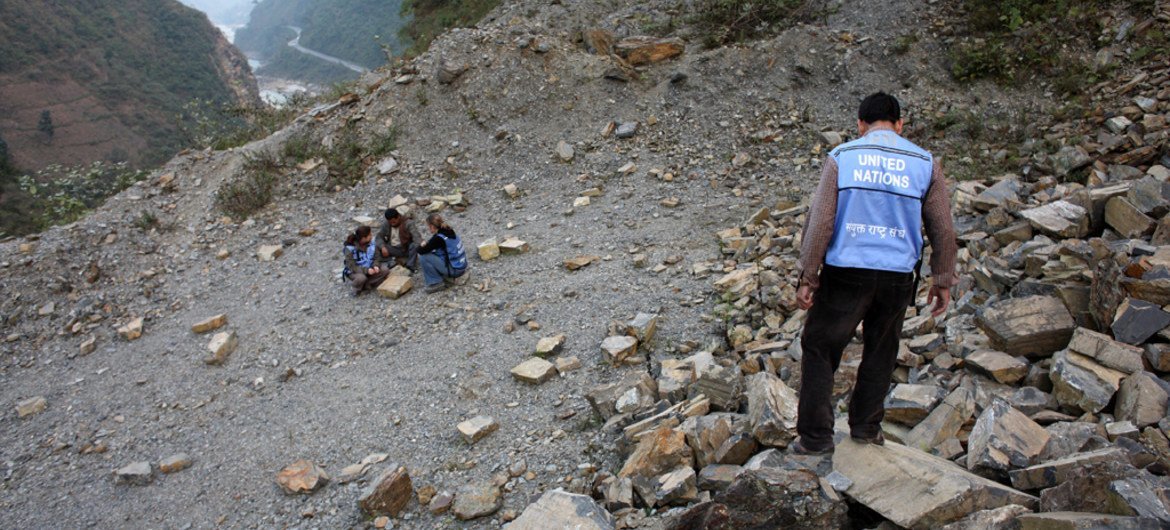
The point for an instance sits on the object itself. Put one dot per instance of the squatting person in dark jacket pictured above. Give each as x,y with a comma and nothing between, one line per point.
397,241
859,257
442,257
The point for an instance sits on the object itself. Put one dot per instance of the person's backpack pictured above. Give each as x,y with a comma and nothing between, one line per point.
454,254
345,272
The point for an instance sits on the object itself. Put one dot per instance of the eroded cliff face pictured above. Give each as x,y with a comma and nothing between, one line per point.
234,70
113,77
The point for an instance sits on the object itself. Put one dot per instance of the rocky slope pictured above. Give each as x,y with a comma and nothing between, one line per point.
112,76
507,128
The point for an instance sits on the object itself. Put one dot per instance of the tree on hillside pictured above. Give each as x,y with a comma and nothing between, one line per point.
5,161
45,126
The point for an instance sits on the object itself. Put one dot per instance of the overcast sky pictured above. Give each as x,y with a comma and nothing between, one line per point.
223,11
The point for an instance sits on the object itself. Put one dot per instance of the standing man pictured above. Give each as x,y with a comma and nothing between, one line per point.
397,241
859,258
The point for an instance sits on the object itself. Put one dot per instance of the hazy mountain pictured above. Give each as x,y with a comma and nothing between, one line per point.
352,30
227,12
90,80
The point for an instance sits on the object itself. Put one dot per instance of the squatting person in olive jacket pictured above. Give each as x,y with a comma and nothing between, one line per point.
397,241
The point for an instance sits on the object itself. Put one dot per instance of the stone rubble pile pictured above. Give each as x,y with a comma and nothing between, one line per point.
1039,399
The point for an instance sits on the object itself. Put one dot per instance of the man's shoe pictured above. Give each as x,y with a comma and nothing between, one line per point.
463,278
435,288
799,449
877,439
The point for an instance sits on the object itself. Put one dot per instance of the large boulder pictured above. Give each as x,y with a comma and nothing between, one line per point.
1034,326
387,495
771,410
658,453
767,498
1004,438
916,490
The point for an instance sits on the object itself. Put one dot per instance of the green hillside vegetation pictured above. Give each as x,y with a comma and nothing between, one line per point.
152,56
367,32
430,18
354,30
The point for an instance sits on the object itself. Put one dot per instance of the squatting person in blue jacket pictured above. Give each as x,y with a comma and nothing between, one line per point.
358,253
859,259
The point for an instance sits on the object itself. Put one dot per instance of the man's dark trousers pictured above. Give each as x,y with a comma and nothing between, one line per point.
845,298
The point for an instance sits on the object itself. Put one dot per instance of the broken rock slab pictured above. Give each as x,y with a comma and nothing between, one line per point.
767,498
269,252
1034,326
639,50
620,349
998,365
1060,219
658,453
473,501
643,327
549,346
1083,521
132,330
1004,438
560,509
222,345
512,245
30,407
535,371
708,433
1127,219
210,324
175,463
1137,320
301,476
1057,471
394,286
477,428
488,250
1106,351
944,421
910,404
387,495
1082,383
771,410
637,390
1002,518
1141,399
916,490
678,487
578,262
135,473
723,385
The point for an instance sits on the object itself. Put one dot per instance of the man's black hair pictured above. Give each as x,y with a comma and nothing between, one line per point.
391,213
879,106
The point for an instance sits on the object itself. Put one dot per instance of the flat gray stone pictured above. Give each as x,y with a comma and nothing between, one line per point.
916,490
560,509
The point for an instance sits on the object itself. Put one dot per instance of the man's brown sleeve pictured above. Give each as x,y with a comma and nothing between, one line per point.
940,228
818,226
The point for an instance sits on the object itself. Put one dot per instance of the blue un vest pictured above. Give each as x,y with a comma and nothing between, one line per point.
453,251
363,259
882,180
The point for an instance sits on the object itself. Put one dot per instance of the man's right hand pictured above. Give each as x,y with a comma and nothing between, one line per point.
373,271
804,297
385,252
